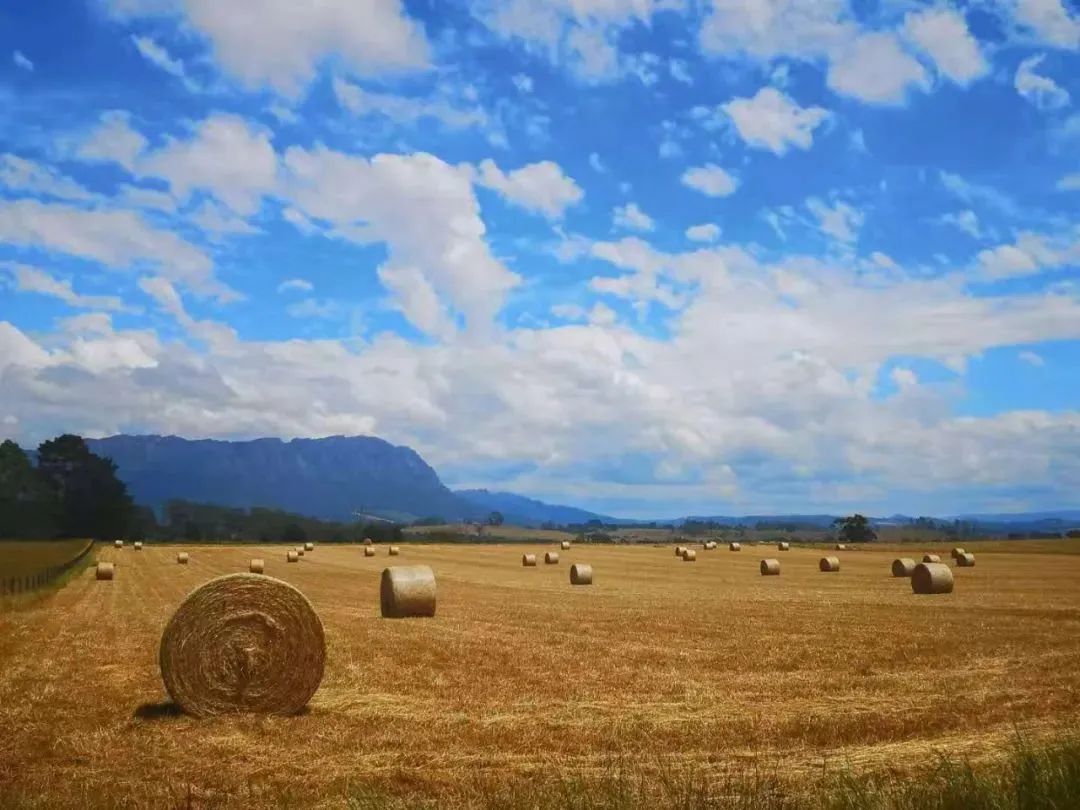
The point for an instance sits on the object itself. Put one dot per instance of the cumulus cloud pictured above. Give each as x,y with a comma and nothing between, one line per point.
113,140
35,280
875,69
839,220
771,120
539,187
710,179
703,233
966,221
1031,253
632,218
295,284
1050,21
27,176
405,109
943,34
1042,91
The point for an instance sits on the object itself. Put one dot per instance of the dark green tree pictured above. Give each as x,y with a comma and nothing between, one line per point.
854,529
495,519
93,501
293,533
28,507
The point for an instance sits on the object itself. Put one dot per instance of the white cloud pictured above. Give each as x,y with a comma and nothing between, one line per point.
710,179
540,187
765,29
1070,182
632,218
157,55
596,163
971,192
522,82
770,120
966,221
113,141
1051,21
289,44
1031,358
313,309
1031,253
943,34
295,284
21,62
1042,91
680,71
875,69
219,222
36,280
404,109
840,220
904,377
19,174
703,233
139,197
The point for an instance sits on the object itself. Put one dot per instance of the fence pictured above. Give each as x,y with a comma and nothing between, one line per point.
39,579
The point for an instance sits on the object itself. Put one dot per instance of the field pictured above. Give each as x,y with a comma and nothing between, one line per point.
21,558
702,669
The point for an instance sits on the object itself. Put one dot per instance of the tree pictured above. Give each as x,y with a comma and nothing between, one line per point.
93,501
293,533
495,519
28,507
854,529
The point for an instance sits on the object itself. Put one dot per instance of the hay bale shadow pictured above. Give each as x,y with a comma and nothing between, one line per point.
158,711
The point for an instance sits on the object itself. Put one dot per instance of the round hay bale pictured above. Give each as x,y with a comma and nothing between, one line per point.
956,552
783,546
394,551
734,547
551,558
840,547
369,551
105,570
309,546
966,560
299,552
931,558
367,541
256,566
118,543
679,550
407,590
528,560
138,545
770,567
565,545
292,556
932,578
689,555
903,567
243,643
829,564
580,574
182,558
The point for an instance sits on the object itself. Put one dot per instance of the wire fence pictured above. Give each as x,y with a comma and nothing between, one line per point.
39,579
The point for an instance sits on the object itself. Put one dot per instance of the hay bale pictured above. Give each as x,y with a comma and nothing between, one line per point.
679,550
551,558
367,541
770,567
932,578
182,558
956,552
931,558
966,560
256,566
118,543
138,545
394,551
528,560
734,547
407,590
565,545
903,567
840,547
580,574
292,556
105,570
783,546
689,555
299,551
829,564
369,551
243,643
309,546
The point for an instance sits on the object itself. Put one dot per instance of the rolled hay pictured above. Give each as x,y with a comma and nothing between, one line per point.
369,551
105,570
243,643
138,545
394,551
292,556
182,558
528,560
829,564
299,551
966,560
367,541
551,558
679,550
118,543
689,555
407,590
932,578
931,558
309,546
956,552
840,547
783,546
734,547
903,567
580,574
770,567
256,566
565,545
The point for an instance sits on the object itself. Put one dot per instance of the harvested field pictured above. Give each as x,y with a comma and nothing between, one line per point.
521,674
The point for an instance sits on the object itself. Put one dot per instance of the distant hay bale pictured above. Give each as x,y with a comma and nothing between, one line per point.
689,555
299,551
182,558
528,560
551,558
840,547
932,578
369,551
783,546
256,566
118,543
903,567
580,574
565,545
394,551
966,560
679,550
367,541
956,552
243,643
292,556
138,545
931,558
829,564
709,545
309,546
407,590
770,567
105,570
734,547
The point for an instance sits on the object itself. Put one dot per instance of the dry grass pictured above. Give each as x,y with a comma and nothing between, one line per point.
520,675
20,558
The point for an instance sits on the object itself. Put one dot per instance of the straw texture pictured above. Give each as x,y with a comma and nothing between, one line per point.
770,567
580,574
932,578
407,590
528,560
903,567
105,570
256,566
829,564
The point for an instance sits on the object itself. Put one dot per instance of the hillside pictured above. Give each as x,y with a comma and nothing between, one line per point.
526,511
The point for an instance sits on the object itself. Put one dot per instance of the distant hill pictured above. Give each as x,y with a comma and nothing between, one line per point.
325,478
520,510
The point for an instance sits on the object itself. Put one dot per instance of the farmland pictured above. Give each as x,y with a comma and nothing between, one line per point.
21,558
703,668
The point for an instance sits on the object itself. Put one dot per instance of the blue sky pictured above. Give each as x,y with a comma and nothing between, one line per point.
650,257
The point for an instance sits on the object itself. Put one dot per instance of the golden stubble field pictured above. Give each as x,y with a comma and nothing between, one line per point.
704,666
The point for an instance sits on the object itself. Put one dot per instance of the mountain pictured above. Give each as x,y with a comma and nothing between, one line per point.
520,510
326,478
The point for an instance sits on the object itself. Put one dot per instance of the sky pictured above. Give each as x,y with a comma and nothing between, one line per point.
647,257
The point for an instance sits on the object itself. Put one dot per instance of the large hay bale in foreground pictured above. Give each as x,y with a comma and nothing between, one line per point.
309,546
105,570
689,555
182,558
118,543
932,578
903,567
407,590
256,566
243,643
783,546
528,560
770,567
956,552
292,556
580,574
931,558
734,547
369,551
551,558
138,545
394,551
565,545
829,564
966,560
